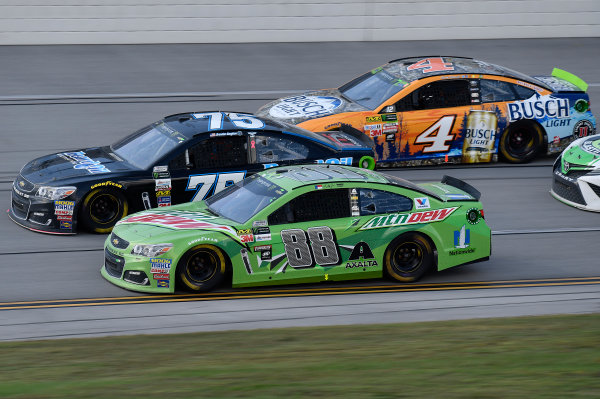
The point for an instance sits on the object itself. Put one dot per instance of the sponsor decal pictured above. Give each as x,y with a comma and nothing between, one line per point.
162,283
529,86
66,225
373,119
305,106
361,263
64,217
20,193
261,230
260,223
570,179
400,219
163,201
581,105
318,187
337,161
389,117
539,107
161,276
262,237
373,130
107,184
245,235
556,139
158,265
462,251
557,122
81,161
270,165
163,184
201,239
422,203
64,207
592,146
462,237
361,251
389,127
390,137
265,251
473,216
163,193
583,128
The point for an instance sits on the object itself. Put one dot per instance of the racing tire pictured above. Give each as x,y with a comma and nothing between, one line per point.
521,142
408,257
102,209
201,269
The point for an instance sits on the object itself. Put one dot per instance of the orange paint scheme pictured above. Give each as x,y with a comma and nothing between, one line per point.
421,134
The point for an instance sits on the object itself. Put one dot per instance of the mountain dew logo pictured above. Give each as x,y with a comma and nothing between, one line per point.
398,219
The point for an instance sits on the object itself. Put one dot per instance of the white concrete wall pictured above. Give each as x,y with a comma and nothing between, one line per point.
211,21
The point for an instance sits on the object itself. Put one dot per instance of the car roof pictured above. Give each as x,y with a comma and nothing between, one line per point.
460,65
327,175
189,126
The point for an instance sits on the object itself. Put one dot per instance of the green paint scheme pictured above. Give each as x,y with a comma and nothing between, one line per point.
583,154
442,218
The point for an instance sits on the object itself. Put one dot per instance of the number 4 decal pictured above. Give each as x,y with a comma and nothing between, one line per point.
202,184
433,64
438,134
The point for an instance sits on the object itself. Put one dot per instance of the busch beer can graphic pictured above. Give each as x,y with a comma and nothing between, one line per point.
478,145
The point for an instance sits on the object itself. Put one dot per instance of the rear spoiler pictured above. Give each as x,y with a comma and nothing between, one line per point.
467,188
357,134
571,78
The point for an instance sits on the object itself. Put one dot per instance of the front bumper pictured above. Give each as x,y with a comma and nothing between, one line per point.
135,272
41,215
577,188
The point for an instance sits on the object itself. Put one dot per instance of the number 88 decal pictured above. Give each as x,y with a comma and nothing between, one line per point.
322,249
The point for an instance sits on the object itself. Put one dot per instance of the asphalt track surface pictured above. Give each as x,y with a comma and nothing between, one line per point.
545,254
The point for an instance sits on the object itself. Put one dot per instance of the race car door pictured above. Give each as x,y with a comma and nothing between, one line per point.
306,237
429,122
204,168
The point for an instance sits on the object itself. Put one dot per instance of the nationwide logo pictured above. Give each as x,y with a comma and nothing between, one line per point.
462,237
399,219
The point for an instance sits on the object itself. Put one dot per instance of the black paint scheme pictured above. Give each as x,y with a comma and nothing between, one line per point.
180,158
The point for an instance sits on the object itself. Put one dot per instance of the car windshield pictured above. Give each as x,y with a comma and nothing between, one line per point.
245,199
372,88
145,147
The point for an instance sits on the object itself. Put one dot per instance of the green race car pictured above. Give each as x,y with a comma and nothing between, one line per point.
300,224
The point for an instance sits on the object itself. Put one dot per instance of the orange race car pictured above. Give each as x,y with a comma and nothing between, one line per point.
437,109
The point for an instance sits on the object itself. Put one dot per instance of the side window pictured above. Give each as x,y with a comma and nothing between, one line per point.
496,90
523,93
373,202
215,153
315,205
273,149
445,93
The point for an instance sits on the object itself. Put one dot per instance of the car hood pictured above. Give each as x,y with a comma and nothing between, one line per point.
161,223
94,162
583,154
309,105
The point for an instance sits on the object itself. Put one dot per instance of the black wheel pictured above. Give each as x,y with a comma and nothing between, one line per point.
408,257
521,142
201,269
102,209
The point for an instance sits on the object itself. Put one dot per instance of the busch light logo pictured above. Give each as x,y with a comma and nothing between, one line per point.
305,107
539,108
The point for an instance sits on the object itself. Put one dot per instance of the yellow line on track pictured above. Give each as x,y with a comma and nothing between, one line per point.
297,293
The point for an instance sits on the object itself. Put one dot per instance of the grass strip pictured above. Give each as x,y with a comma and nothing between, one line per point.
528,357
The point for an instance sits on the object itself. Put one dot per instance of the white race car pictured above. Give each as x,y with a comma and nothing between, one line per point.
577,174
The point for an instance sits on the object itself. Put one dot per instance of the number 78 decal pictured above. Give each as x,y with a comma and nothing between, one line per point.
438,135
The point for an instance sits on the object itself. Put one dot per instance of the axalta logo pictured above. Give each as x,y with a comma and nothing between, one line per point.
398,219
545,106
304,106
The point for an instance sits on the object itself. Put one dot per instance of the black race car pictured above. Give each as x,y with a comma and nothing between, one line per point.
183,157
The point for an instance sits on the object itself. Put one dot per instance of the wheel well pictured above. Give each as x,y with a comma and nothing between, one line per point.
228,263
534,123
426,237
